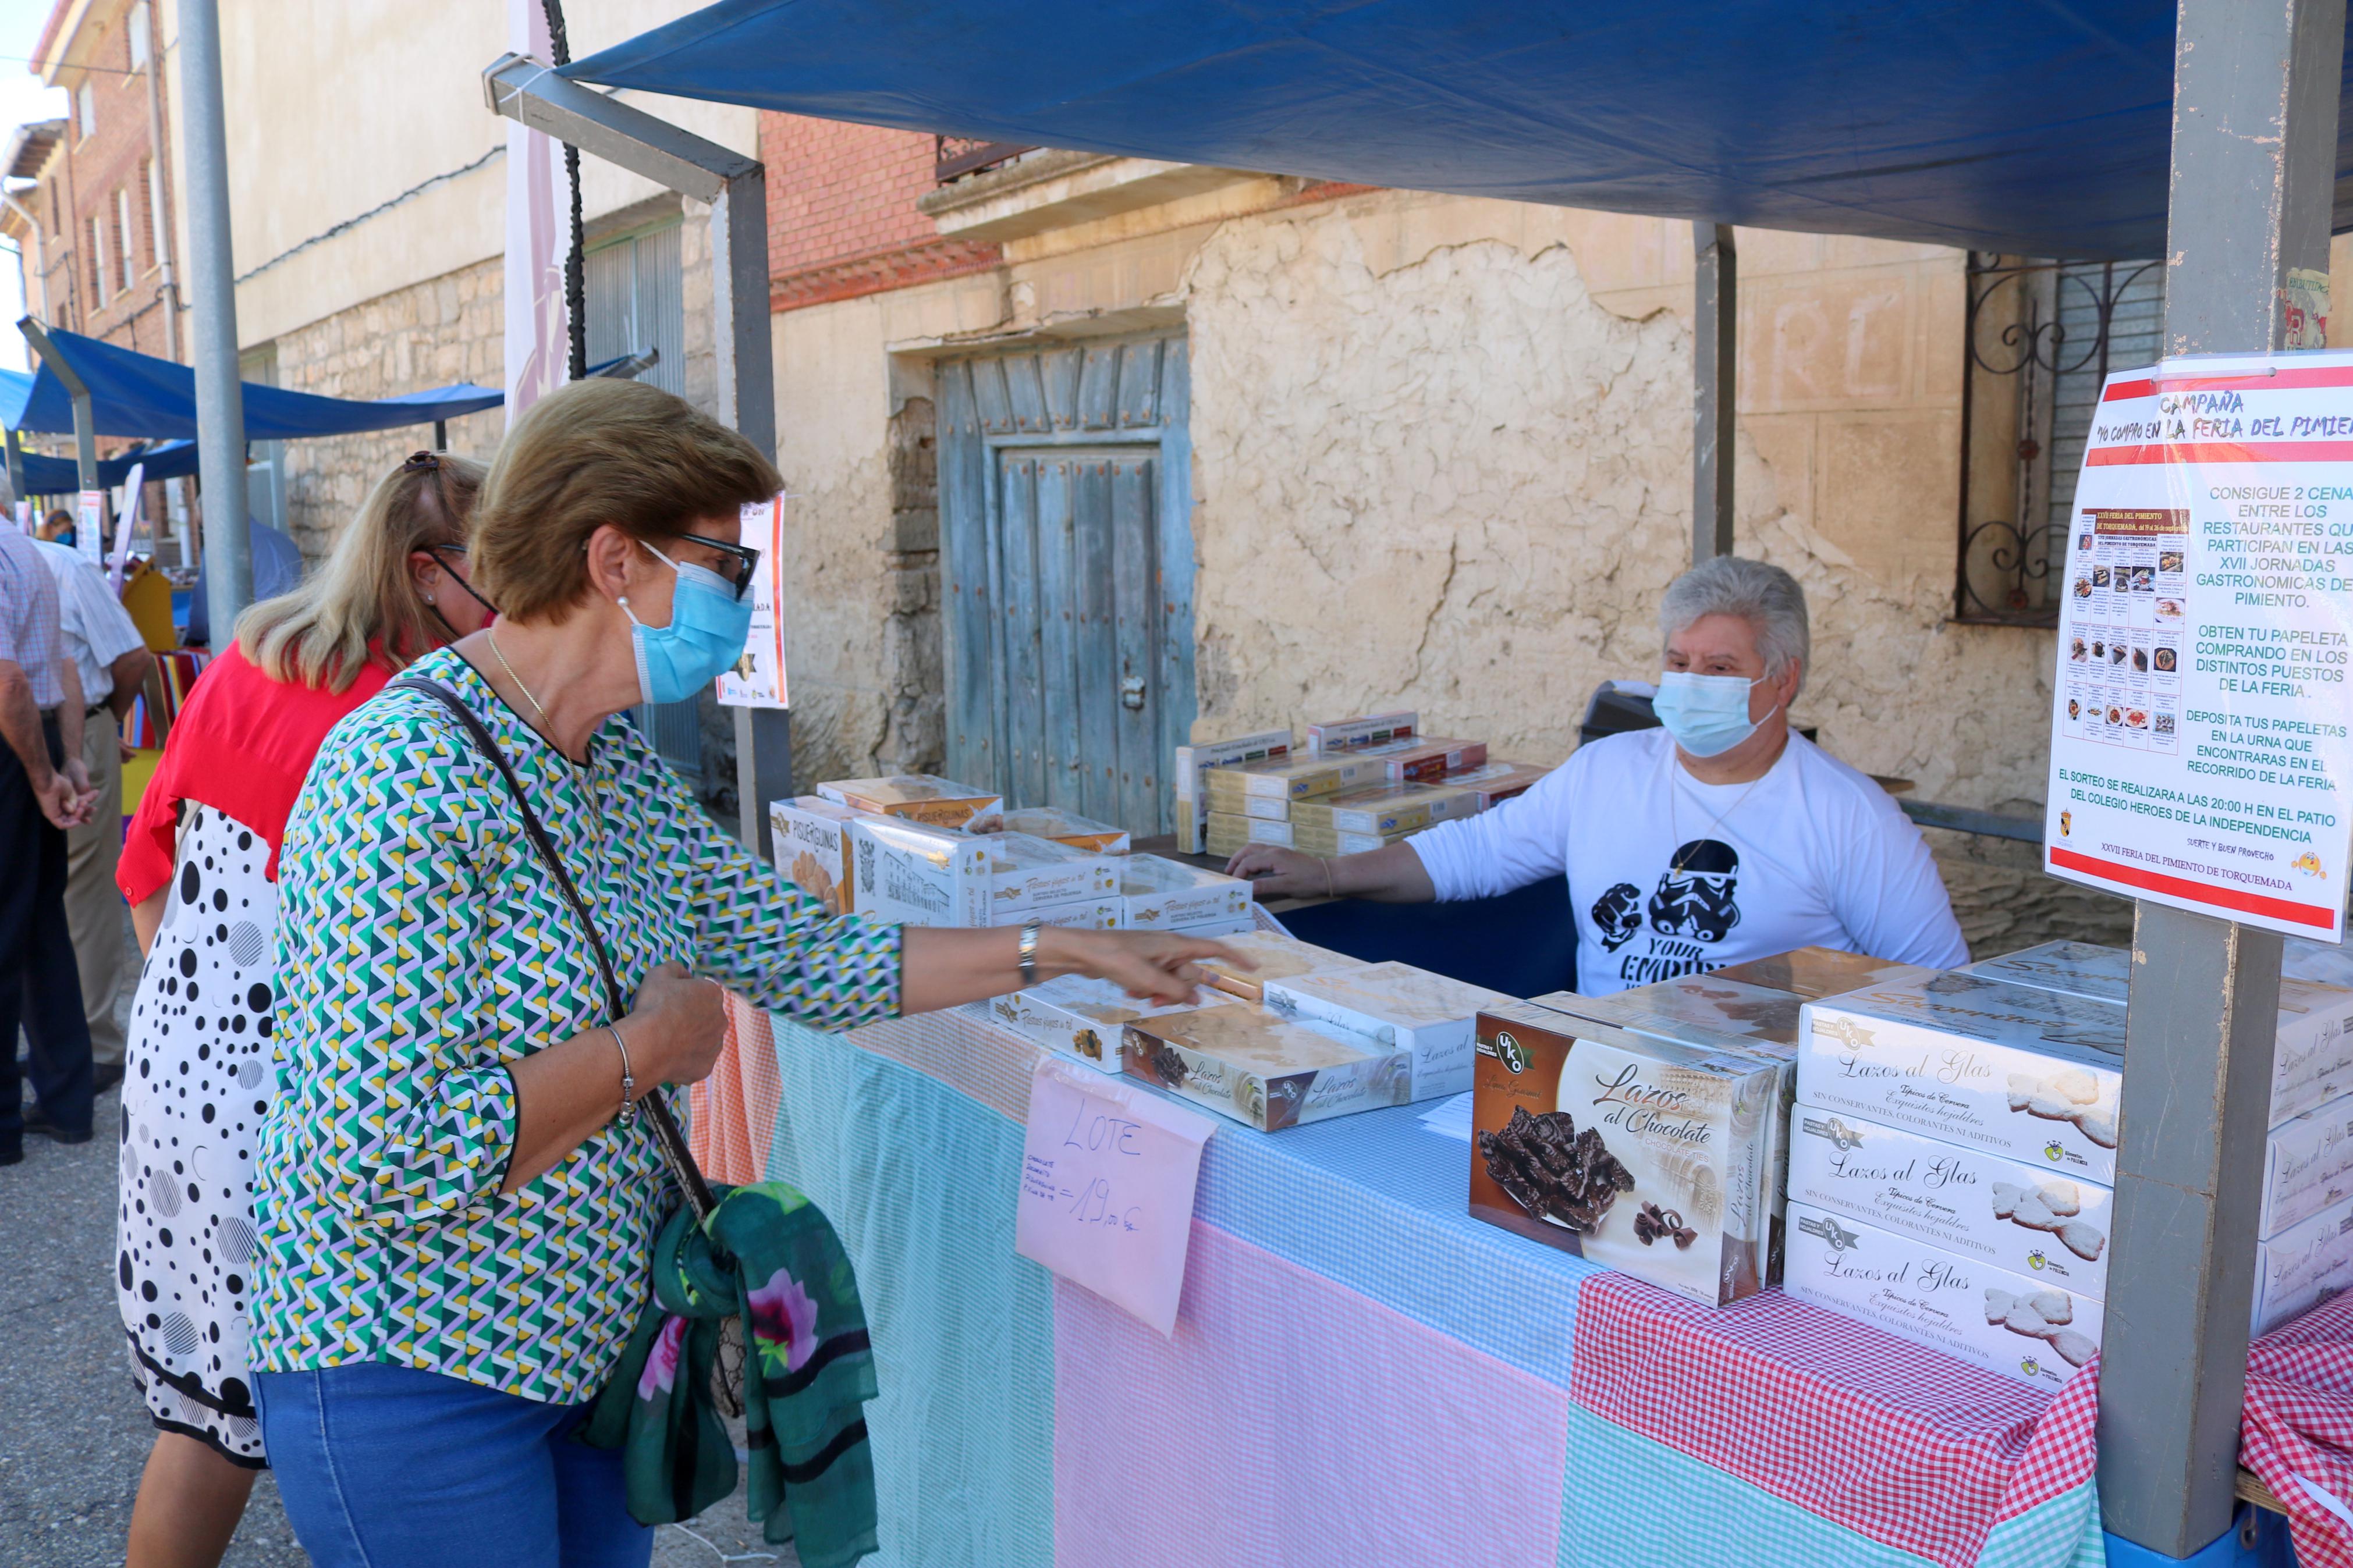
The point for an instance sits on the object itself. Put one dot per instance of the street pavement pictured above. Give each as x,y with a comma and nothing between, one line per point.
73,1432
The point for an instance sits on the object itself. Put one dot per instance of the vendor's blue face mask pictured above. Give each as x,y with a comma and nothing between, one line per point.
708,627
1706,714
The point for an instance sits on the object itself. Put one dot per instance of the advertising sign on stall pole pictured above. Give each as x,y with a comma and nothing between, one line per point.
758,678
90,525
2199,754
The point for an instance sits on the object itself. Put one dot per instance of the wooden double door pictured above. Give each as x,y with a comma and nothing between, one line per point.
1067,565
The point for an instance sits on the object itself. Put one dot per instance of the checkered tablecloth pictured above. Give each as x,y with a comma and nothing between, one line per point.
2297,1432
1907,1447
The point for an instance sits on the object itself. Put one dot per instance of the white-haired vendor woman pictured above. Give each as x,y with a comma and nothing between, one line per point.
1720,838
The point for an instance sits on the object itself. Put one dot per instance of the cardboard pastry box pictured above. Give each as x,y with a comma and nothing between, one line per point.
1639,1153
1244,1062
919,797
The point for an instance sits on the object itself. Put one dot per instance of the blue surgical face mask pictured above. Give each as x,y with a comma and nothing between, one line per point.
708,627
1706,714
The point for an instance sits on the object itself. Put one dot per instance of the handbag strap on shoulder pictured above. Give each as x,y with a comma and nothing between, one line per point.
666,1128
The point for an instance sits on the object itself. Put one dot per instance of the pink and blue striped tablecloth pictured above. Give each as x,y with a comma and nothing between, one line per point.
1362,1375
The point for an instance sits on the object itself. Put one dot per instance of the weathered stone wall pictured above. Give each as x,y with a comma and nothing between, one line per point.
445,330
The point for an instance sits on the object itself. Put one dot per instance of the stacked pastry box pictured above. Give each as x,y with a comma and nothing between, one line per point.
1307,1034
1751,1009
2306,1252
1678,1091
1360,784
1951,1160
916,850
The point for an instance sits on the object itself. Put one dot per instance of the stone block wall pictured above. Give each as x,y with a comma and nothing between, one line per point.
445,330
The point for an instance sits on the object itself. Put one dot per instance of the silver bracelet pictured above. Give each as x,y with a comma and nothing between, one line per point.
629,1084
1029,951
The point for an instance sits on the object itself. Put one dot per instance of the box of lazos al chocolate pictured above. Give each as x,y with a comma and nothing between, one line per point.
1642,1154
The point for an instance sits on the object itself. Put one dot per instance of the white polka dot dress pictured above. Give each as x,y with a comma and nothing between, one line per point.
199,1072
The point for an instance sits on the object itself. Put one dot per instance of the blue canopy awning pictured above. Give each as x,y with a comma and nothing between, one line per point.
2035,127
139,394
46,476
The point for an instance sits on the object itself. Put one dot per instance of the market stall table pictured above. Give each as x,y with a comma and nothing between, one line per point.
1340,1305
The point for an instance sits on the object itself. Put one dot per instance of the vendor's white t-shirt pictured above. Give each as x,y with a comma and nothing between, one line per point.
1668,875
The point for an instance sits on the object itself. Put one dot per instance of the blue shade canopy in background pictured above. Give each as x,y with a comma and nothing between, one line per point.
62,477
139,394
2036,127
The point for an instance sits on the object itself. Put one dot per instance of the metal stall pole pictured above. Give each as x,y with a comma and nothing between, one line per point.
2256,91
212,301
84,415
16,468
735,187
1716,320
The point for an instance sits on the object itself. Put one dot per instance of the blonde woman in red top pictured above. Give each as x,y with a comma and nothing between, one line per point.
200,867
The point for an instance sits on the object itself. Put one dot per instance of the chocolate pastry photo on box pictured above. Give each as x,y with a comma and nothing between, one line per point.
1642,1154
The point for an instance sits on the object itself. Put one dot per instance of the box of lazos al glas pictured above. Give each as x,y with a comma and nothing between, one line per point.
2031,1074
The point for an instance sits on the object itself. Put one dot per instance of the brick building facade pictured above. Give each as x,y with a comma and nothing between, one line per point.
101,263
842,220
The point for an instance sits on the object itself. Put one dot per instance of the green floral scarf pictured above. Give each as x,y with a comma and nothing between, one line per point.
766,1254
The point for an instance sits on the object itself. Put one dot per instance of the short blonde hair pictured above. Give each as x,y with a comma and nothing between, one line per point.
593,453
320,634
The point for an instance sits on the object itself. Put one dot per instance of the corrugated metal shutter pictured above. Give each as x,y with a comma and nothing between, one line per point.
636,301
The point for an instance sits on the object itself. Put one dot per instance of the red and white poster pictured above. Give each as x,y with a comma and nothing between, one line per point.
2200,749
538,353
758,678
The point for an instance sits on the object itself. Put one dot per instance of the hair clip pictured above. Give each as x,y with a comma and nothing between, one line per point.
421,463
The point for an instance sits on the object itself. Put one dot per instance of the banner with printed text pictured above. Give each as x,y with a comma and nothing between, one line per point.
2199,736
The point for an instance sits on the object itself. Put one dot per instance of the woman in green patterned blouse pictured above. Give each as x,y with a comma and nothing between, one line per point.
454,1210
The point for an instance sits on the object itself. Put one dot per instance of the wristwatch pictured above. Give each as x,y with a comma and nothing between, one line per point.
1029,951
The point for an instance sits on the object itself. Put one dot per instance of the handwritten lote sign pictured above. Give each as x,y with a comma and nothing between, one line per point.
1107,1175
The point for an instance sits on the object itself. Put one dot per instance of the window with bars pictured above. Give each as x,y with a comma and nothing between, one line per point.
98,274
2042,338
122,232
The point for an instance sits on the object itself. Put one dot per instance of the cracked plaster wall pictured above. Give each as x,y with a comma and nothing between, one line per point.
1440,467
1442,456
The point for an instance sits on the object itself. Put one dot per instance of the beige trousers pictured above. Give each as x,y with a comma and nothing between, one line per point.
94,911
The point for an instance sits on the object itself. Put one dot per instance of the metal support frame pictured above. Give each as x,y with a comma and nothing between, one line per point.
84,412
2256,94
212,301
735,187
16,449
1716,346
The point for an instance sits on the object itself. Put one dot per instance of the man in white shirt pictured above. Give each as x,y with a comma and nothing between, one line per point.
113,662
1723,836
44,794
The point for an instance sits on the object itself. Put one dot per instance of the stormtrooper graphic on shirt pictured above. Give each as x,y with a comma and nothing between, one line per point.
1692,909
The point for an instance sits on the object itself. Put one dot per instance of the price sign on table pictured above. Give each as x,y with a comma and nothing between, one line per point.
1108,1170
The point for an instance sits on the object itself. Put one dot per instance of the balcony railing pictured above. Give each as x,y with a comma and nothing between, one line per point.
953,157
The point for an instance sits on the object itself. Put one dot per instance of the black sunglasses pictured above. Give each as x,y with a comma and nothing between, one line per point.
747,559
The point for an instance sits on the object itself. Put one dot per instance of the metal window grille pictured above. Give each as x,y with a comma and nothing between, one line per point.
2042,338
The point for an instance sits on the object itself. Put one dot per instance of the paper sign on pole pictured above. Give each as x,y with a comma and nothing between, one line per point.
132,484
1108,1170
758,678
2199,754
89,526
538,341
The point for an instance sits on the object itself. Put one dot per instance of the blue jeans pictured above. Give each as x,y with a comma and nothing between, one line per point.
387,1467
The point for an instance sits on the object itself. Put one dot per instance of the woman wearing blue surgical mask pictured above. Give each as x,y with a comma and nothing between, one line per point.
1721,837
456,1198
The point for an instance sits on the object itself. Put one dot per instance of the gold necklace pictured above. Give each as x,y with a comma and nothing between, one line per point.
491,637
